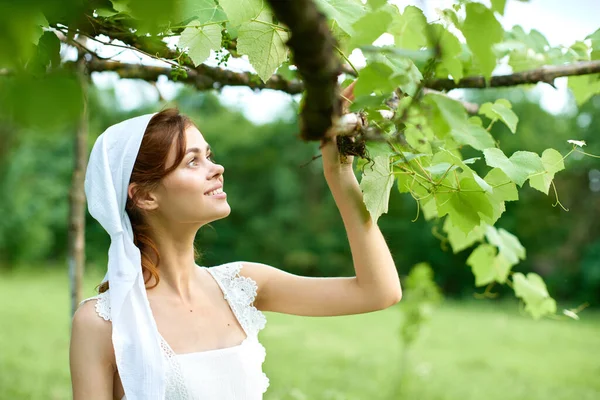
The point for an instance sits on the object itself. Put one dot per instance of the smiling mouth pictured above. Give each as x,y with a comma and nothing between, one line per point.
215,192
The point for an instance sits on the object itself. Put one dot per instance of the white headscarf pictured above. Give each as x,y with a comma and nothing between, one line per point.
135,335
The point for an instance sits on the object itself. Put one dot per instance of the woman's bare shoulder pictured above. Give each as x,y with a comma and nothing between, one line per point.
91,354
91,331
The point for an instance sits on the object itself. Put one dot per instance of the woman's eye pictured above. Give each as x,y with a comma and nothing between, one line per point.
211,157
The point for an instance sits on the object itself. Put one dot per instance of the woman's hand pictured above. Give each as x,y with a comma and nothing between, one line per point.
333,167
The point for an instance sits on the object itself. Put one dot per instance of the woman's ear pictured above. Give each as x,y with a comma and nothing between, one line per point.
145,200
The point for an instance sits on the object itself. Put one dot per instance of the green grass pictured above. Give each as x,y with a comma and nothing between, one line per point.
469,351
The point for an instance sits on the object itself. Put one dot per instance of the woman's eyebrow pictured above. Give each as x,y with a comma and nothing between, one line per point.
197,150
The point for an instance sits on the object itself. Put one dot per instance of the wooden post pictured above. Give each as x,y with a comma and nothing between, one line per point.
77,201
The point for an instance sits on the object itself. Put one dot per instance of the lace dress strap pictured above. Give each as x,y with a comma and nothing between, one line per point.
240,291
102,305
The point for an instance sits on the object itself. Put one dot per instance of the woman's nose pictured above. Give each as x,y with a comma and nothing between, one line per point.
219,169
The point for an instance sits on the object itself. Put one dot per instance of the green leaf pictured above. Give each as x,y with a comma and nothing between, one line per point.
460,240
500,110
264,45
428,208
47,54
20,30
438,170
240,11
487,265
201,11
369,28
473,135
150,15
482,31
377,77
502,187
518,168
534,293
404,71
508,244
201,41
376,185
595,38
408,183
375,4
451,49
30,101
498,6
343,12
462,131
465,206
383,149
409,29
553,163
584,87
121,6
527,50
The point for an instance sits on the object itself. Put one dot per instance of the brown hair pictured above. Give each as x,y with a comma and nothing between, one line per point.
150,168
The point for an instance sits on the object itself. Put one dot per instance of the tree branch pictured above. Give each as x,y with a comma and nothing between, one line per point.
202,77
547,74
313,48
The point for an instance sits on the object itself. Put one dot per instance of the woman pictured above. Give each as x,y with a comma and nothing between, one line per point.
171,329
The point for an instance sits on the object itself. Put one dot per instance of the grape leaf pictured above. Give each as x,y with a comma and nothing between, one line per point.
240,11
429,208
487,265
286,72
584,87
201,40
455,117
508,244
376,185
473,135
451,49
343,12
500,110
149,15
201,11
502,186
379,78
553,163
518,168
534,293
446,159
375,4
460,240
409,29
264,45
464,206
482,31
595,38
498,6
369,27
403,70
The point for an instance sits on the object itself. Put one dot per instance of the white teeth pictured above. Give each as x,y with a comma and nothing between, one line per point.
215,192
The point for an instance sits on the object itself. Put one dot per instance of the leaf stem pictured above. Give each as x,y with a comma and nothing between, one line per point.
278,27
347,59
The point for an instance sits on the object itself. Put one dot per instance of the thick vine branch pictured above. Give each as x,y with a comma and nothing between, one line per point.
313,48
545,74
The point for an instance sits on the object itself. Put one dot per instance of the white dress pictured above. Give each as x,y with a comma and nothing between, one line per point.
232,373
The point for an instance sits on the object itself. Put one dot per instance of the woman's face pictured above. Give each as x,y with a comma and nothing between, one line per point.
186,194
